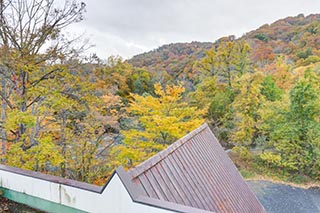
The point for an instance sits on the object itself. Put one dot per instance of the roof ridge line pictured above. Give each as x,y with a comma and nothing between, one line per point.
144,166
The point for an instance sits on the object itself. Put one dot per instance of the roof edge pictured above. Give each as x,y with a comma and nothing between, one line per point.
138,196
54,179
142,167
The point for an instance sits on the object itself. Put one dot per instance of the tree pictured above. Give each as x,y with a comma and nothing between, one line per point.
262,53
159,121
27,25
297,136
85,113
114,75
270,90
222,65
141,81
282,74
246,107
27,28
47,99
229,59
205,91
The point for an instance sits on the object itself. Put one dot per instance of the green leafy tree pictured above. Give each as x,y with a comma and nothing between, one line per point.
270,90
141,81
297,138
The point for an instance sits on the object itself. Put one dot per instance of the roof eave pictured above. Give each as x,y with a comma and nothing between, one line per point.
137,195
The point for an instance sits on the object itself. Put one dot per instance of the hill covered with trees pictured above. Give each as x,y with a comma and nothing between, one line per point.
295,37
173,60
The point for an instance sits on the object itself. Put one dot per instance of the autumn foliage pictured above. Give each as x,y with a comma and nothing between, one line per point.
81,117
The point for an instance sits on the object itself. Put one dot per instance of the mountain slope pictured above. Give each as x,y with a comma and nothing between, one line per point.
297,38
172,58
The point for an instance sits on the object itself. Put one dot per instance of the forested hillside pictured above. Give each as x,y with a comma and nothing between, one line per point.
175,60
295,37
81,117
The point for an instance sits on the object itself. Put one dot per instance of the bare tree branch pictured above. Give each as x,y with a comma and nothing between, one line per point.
6,100
45,76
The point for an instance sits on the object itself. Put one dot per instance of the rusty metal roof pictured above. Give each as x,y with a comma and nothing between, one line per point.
195,171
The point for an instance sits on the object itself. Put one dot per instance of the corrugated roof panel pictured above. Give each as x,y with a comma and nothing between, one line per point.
169,183
195,171
198,182
185,183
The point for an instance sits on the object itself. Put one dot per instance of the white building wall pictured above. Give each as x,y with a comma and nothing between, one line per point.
114,198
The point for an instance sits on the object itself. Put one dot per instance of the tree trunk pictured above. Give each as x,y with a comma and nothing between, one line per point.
23,107
3,118
63,144
36,129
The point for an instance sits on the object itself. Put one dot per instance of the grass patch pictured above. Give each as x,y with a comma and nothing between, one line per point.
251,168
247,174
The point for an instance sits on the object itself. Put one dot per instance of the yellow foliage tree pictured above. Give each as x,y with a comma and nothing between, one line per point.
159,121
246,106
37,157
228,60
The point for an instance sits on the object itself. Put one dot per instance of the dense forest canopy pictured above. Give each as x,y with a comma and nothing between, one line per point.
80,119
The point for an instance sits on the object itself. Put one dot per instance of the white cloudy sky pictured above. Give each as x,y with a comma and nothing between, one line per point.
130,27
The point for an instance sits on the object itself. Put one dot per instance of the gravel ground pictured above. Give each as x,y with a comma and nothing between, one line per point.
282,198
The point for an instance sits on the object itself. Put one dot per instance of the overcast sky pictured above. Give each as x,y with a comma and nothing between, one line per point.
130,27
